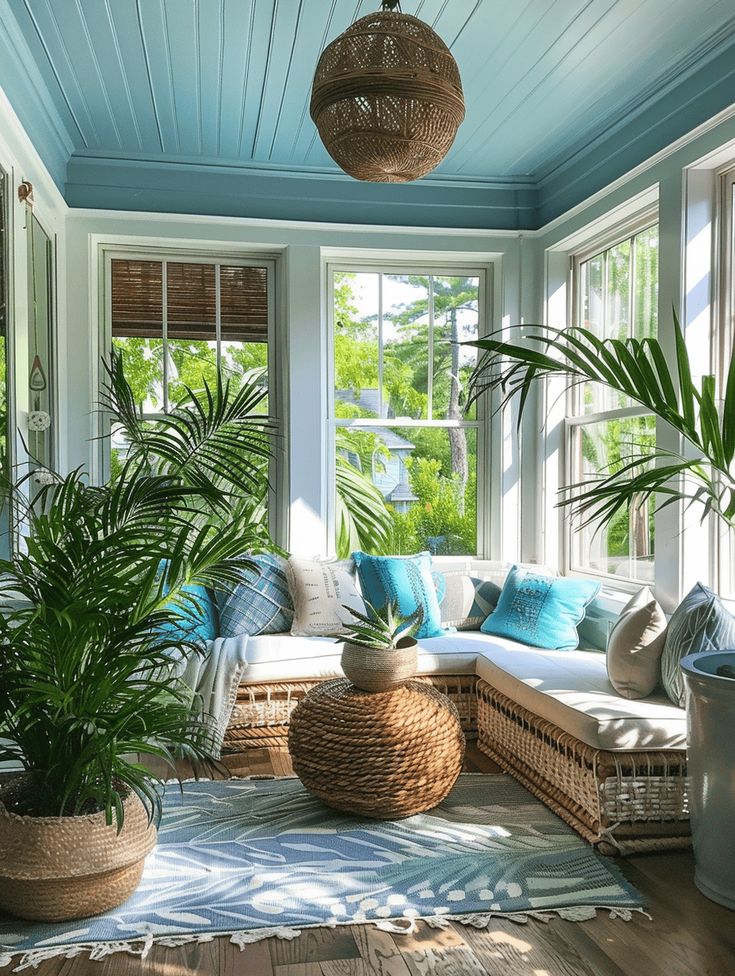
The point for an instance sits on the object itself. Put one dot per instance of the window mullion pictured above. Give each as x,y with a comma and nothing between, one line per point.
218,319
380,343
631,287
430,355
164,331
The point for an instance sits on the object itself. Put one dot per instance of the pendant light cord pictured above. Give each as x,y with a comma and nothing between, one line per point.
391,5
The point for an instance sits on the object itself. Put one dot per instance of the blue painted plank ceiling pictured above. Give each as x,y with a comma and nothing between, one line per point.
201,106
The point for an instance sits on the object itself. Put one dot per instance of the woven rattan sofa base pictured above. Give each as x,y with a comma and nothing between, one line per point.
262,711
624,802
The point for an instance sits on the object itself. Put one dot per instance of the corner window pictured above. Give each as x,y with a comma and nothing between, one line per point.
399,395
616,297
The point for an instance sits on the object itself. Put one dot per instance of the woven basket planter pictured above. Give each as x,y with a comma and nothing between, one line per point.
371,669
387,98
53,869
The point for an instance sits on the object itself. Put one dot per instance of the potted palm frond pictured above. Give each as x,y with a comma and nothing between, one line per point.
102,597
513,363
701,472
380,651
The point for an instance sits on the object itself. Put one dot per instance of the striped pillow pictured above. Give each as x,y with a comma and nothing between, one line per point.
262,605
699,624
467,600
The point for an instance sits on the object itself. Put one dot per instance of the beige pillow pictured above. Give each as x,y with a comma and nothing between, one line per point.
320,592
635,645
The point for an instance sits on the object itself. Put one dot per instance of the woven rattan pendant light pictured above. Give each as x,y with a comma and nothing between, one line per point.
387,97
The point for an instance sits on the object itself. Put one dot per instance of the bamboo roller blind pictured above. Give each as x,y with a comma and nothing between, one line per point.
191,289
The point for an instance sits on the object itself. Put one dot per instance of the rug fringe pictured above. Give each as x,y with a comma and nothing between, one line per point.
32,958
226,779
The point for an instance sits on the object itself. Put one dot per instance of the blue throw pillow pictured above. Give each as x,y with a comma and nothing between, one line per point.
198,622
541,610
440,585
699,624
404,580
261,605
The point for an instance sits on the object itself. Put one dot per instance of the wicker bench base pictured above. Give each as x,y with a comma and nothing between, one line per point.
623,802
262,711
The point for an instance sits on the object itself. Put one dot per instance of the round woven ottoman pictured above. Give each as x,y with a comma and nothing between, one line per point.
387,754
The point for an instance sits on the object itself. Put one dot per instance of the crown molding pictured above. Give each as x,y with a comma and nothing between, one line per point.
221,191
215,165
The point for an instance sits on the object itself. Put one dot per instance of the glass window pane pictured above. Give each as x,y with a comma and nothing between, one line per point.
428,479
137,327
645,258
356,316
592,309
243,304
606,303
244,324
240,359
406,346
617,291
591,290
456,320
191,327
625,546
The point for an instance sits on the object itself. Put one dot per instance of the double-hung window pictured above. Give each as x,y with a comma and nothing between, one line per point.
616,296
399,398
180,321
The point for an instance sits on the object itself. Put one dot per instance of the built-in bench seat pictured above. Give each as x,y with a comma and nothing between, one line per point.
569,688
613,768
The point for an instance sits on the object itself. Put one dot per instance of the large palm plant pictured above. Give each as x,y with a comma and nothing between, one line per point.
702,471
102,600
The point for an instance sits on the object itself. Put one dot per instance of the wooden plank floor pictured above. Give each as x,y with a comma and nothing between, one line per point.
688,936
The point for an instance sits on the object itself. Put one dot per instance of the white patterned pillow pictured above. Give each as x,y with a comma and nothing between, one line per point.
320,592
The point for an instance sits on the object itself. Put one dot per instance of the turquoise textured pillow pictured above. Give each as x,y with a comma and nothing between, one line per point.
700,623
542,611
404,580
260,605
198,621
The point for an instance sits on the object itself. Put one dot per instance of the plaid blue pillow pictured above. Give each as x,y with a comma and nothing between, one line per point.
263,605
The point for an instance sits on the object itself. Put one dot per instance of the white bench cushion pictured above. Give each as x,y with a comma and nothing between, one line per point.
568,688
572,690
282,657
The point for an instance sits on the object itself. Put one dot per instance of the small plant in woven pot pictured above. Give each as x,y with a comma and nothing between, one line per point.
102,599
380,651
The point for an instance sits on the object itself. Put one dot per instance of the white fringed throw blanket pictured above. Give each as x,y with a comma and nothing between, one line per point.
214,676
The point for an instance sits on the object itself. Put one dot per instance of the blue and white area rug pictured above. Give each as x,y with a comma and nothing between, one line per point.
251,858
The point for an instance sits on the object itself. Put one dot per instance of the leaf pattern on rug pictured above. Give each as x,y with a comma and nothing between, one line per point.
239,855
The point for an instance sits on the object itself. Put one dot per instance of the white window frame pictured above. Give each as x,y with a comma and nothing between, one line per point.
277,504
481,424
574,419
722,348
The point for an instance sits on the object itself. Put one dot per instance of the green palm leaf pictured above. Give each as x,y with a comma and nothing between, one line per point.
637,369
363,521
